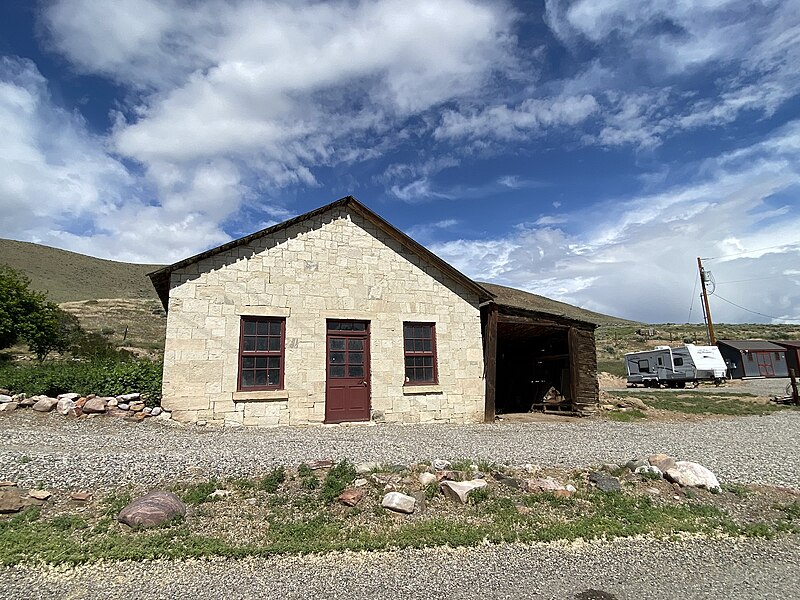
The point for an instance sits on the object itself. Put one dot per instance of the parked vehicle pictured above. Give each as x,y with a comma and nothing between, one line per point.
675,367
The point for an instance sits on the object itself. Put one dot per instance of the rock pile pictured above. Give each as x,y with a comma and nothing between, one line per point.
129,406
683,473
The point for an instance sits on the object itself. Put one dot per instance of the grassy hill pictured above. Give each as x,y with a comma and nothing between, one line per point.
68,276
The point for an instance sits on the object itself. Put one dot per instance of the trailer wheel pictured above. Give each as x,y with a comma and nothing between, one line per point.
680,384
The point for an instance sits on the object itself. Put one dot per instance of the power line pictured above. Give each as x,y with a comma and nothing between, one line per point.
755,279
751,251
691,305
755,312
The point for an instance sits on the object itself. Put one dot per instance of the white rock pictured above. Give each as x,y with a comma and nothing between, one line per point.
570,488
366,467
123,406
399,502
440,465
8,406
19,397
460,490
70,396
112,402
95,406
4,398
692,474
427,478
65,405
219,494
360,482
128,397
228,422
157,410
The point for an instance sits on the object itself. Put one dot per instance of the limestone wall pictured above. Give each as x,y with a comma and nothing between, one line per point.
335,265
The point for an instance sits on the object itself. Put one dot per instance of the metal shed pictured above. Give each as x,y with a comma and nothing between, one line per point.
754,358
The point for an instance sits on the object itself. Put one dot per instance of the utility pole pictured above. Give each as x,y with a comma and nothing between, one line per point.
711,339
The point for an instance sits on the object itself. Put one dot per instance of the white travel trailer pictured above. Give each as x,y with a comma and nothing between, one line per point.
675,367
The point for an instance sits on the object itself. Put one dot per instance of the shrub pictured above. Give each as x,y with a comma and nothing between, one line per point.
338,478
101,377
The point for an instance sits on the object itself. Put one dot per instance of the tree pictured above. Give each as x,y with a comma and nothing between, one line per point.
27,315
17,303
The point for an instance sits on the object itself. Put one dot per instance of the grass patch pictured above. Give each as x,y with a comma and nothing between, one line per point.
272,480
338,478
710,403
197,493
627,416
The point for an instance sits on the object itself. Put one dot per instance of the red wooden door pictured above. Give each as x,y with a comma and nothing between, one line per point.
347,389
765,366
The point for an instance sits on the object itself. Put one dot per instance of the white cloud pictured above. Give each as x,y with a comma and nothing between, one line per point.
636,258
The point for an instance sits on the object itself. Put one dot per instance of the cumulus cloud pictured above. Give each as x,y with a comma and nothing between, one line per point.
637,258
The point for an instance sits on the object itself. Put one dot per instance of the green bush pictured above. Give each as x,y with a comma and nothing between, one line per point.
101,377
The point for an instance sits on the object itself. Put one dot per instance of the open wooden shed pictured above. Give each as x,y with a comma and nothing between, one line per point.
534,347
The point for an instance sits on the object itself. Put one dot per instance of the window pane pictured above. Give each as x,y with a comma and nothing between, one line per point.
249,343
273,377
417,345
248,362
337,371
337,357
355,371
355,344
262,344
346,326
249,327
273,362
427,361
247,378
359,326
407,330
261,378
334,326
428,375
426,331
417,331
263,328
409,346
337,344
409,362
356,358
427,346
275,343
261,362
275,328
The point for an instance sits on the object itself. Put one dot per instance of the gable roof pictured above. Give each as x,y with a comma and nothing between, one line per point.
161,277
519,299
752,345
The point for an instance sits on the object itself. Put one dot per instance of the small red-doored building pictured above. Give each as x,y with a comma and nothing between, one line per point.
337,316
753,358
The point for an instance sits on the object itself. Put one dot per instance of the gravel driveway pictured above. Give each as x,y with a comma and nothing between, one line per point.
101,452
630,568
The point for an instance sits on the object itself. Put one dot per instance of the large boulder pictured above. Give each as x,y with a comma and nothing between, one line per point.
45,404
605,483
4,398
95,406
543,484
399,502
8,406
459,491
11,500
692,474
152,510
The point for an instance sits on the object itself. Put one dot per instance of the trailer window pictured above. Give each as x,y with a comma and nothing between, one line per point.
644,366
777,356
660,362
678,361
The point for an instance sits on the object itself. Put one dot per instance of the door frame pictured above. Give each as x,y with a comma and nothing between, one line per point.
366,335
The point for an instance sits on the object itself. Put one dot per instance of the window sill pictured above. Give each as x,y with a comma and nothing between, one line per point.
422,389
262,395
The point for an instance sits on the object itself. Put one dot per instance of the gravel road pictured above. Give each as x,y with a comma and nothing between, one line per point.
623,569
63,453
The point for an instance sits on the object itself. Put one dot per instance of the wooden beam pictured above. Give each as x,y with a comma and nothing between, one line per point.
573,341
531,320
490,362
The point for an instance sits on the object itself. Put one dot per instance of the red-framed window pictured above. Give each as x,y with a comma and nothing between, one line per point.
419,343
261,344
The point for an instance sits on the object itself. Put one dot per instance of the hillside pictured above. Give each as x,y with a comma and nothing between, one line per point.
69,277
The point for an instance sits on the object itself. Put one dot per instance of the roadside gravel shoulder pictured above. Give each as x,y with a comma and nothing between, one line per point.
630,568
60,453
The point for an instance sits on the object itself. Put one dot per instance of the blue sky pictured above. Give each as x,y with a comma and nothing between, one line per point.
588,150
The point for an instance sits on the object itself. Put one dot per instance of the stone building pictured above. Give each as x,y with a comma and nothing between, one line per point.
337,316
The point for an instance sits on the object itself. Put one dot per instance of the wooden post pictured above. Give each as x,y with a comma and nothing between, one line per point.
490,363
795,395
573,349
712,340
